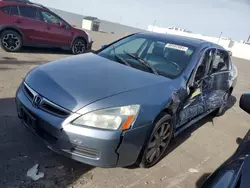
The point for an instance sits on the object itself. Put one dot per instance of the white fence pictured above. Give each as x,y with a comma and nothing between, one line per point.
239,50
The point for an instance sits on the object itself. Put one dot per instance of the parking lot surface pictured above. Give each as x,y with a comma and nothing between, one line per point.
191,158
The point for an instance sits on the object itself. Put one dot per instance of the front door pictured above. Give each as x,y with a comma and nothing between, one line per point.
219,82
55,33
195,104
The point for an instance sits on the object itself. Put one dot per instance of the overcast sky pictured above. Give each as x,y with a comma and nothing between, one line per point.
232,17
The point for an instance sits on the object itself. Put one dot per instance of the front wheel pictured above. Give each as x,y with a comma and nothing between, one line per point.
11,41
158,141
79,46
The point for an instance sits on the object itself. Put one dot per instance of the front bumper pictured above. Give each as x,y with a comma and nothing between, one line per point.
95,147
89,46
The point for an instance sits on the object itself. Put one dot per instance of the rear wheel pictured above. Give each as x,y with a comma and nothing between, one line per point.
11,41
79,46
158,141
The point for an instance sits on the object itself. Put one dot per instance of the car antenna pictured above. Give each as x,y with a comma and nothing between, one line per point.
219,37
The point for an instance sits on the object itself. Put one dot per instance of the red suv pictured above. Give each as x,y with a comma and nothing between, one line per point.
23,23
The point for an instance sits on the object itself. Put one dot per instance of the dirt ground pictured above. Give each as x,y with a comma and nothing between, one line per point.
192,156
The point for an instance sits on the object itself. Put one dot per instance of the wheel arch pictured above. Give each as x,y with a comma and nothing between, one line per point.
12,28
78,37
172,107
163,114
167,110
231,89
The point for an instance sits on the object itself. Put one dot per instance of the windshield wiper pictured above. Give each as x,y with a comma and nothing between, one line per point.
120,60
142,61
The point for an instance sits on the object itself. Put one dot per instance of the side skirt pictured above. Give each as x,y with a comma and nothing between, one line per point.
187,125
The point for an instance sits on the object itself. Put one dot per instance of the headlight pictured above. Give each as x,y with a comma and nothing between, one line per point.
110,118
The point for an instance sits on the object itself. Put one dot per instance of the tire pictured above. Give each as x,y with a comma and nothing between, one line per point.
158,141
11,41
79,46
220,111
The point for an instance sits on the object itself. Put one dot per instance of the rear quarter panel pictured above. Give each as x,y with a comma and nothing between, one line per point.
234,76
5,19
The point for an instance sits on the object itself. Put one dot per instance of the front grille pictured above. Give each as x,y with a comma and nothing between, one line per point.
45,104
28,93
54,109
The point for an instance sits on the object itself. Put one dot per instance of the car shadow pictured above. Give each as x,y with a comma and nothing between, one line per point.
20,150
202,179
9,63
36,50
13,61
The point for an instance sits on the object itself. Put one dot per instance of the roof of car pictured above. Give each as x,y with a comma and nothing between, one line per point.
21,2
182,39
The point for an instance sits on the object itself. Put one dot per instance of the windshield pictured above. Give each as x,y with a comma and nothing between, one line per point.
168,58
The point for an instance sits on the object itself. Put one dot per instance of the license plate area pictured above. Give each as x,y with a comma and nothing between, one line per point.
33,123
28,119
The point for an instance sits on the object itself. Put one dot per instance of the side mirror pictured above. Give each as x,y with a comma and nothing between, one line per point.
230,53
245,102
104,45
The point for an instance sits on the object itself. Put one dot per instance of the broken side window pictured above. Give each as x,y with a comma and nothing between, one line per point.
201,71
220,62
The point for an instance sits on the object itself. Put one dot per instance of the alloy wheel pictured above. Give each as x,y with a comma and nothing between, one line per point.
11,42
158,142
79,47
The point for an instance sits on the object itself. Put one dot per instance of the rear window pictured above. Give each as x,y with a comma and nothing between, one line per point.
14,10
28,12
5,9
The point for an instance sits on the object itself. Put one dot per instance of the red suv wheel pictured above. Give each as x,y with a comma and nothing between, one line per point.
11,41
79,46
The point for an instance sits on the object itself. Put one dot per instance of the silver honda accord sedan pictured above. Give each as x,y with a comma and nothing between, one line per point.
124,103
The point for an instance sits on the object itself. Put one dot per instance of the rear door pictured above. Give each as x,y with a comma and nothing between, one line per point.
26,18
4,15
55,33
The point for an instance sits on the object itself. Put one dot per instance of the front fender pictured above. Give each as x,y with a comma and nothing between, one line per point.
79,36
152,100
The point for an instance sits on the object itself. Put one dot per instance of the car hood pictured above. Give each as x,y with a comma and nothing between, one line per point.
77,81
